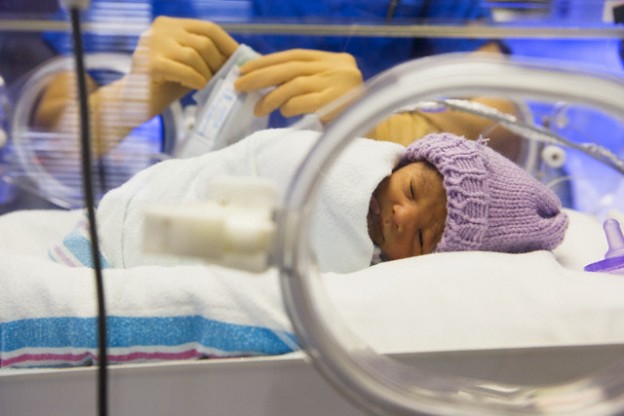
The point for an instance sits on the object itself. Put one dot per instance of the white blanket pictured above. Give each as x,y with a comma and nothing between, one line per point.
339,234
447,301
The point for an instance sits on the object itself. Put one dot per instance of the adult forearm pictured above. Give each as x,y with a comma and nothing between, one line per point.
114,110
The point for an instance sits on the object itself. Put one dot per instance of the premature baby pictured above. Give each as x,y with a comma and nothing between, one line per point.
452,194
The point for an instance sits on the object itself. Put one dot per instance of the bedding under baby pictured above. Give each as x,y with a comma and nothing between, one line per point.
438,302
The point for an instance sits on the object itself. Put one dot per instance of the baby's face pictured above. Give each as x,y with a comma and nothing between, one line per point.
407,212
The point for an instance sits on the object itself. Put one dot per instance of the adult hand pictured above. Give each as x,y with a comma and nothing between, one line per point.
175,56
304,80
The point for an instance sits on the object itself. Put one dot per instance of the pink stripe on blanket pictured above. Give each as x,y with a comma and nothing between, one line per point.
159,356
61,359
63,257
73,359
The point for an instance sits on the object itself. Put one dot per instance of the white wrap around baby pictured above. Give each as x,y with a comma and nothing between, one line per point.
339,234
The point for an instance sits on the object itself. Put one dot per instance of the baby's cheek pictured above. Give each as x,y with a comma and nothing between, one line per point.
397,249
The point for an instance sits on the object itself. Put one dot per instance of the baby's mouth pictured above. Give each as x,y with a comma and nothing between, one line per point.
374,221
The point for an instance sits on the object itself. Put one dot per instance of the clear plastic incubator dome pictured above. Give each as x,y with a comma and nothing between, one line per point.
493,309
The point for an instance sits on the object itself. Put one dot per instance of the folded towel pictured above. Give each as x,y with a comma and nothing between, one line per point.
339,235
47,313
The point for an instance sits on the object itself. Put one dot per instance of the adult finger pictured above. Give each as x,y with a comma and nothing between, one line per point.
304,104
206,48
173,71
277,74
278,58
282,94
222,40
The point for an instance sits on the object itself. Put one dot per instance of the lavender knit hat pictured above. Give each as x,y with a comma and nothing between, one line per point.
492,204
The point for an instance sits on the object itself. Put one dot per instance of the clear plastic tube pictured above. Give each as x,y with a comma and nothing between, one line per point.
378,383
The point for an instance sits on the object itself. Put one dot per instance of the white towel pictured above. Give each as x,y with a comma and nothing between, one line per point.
339,235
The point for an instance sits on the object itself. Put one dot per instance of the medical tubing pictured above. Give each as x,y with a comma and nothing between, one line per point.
85,140
377,383
537,133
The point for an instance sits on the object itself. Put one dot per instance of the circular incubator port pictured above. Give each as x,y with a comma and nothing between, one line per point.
46,158
383,383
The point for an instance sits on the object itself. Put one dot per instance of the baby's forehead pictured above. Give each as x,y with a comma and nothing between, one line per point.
418,168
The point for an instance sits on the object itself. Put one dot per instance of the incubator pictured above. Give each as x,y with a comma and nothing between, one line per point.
211,260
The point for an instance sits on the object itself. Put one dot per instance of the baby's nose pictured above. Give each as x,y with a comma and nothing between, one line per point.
403,216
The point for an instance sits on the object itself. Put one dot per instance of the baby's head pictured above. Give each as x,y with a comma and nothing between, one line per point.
452,194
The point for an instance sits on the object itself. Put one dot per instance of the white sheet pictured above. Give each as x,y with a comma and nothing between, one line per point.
447,301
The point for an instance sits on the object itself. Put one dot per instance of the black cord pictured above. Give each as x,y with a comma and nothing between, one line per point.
87,182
